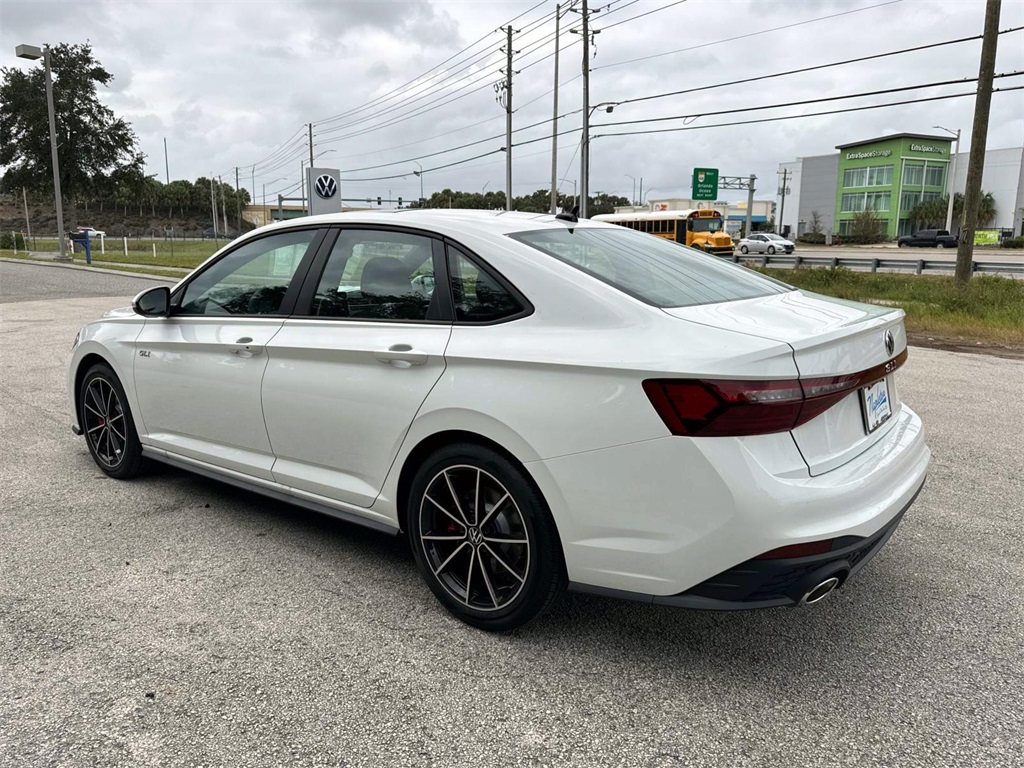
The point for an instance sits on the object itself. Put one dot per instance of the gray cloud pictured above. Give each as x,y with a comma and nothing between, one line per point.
233,83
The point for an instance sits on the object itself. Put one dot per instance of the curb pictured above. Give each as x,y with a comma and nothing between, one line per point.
83,268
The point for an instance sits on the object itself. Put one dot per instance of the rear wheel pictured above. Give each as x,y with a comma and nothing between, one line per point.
483,538
108,425
744,250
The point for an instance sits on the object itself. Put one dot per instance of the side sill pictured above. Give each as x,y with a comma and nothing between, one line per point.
272,493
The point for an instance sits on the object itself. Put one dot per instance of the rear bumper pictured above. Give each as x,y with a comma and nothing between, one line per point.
671,520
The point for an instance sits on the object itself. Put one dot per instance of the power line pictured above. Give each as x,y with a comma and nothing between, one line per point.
422,75
641,15
752,34
806,114
811,69
937,84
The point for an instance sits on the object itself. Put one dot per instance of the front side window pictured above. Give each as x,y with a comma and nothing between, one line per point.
653,270
251,280
378,275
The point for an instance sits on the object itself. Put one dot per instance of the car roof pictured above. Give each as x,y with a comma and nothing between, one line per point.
452,219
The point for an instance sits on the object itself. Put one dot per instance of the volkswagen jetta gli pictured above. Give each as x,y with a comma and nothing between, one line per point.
535,402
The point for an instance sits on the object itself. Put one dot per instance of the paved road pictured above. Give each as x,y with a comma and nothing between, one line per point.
24,281
174,621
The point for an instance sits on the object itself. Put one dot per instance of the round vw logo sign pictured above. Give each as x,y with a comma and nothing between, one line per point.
890,342
326,186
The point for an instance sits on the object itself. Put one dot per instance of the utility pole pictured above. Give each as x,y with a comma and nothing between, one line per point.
28,226
223,208
979,136
952,184
554,119
238,201
505,99
750,203
167,167
782,206
213,204
585,149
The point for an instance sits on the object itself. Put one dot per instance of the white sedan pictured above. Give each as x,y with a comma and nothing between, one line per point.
535,402
766,242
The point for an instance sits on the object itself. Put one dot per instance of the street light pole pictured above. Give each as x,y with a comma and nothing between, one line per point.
632,200
952,177
34,53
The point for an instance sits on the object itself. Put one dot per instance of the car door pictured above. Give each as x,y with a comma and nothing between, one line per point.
198,371
346,378
758,243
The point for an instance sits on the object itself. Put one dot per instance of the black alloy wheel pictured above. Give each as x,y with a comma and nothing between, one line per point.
107,424
483,538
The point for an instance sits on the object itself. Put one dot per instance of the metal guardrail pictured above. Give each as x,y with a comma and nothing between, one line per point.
917,265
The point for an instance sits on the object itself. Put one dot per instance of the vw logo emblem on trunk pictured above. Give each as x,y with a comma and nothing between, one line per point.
890,342
326,186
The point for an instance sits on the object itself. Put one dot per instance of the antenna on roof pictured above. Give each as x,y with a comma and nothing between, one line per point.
570,216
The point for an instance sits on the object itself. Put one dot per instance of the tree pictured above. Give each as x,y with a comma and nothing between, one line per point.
815,225
865,227
986,208
93,142
929,213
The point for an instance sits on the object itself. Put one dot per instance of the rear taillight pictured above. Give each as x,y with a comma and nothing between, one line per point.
736,407
798,550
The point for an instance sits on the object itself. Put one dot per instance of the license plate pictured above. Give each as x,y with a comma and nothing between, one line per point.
877,407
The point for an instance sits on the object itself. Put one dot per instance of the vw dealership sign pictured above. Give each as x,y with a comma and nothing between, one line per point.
323,190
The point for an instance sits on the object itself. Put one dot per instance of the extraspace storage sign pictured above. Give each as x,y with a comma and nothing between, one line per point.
705,184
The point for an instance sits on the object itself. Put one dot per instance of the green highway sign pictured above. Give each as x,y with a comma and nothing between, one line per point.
705,184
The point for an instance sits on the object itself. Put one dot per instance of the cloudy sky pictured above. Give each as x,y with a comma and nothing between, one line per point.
388,84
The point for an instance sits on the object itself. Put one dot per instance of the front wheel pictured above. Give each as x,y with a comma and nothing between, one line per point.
771,250
901,245
483,538
108,425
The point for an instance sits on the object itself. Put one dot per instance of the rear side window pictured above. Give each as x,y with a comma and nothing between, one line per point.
652,269
479,297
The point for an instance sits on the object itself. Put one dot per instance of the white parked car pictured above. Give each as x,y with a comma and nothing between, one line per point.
766,242
93,233
534,402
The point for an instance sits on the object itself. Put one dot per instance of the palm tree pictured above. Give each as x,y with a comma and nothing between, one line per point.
986,208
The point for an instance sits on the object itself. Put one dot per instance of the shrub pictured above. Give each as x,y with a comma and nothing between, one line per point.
1013,242
19,241
7,241
814,238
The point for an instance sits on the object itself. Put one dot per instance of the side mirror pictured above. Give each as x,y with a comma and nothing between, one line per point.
154,302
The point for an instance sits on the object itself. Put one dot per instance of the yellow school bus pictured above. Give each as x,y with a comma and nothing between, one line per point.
701,228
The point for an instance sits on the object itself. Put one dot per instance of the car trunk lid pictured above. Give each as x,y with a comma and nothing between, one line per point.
830,338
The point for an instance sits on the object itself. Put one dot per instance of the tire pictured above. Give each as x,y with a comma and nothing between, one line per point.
945,245
107,424
488,584
744,250
901,245
771,250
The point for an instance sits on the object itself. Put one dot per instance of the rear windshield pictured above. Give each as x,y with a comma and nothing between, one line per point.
649,268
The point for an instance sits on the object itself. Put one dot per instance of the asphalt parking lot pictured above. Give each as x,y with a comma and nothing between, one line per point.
175,621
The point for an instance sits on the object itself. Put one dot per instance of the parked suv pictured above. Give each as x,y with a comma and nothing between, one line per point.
928,238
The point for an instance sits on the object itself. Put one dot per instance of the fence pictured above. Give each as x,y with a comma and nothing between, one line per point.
917,265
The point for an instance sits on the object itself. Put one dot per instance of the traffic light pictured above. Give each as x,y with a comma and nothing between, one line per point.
399,202
378,199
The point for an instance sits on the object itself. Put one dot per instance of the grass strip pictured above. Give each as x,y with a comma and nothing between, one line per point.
988,309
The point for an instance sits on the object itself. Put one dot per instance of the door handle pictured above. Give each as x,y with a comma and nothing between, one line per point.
401,356
245,348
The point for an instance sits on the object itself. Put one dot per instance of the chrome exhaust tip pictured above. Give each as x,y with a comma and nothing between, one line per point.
820,592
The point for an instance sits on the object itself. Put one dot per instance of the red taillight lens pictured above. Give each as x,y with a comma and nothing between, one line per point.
732,408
